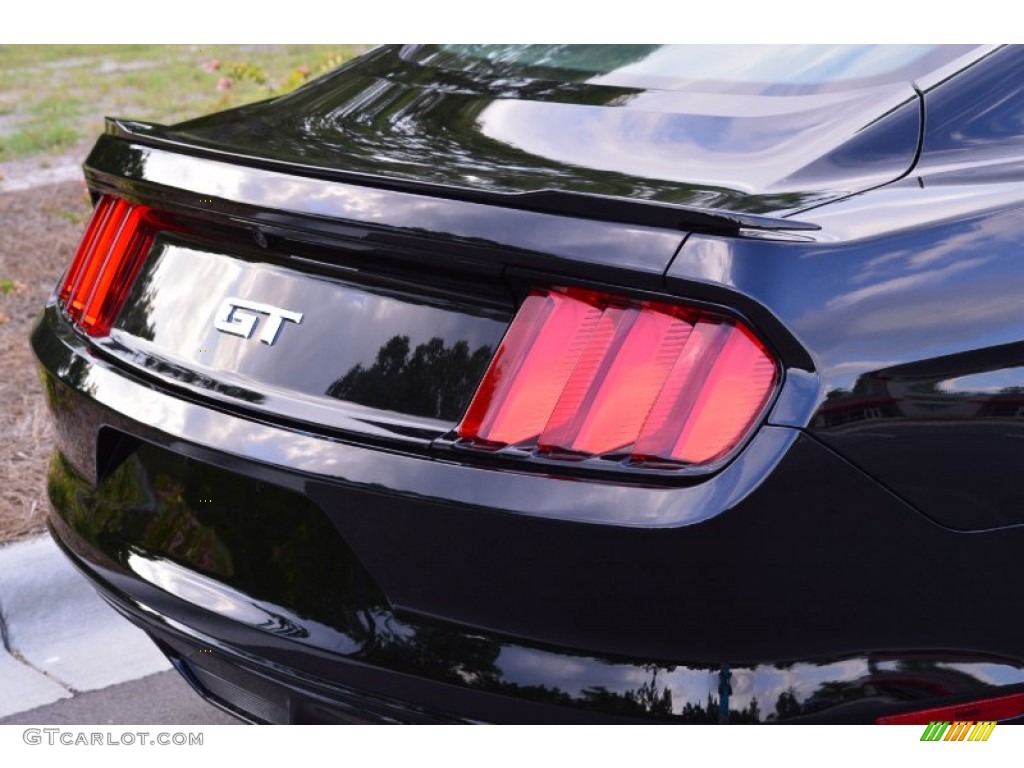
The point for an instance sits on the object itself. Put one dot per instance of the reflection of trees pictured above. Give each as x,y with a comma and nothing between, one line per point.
711,712
645,701
787,706
564,63
130,161
68,395
434,380
425,126
440,654
201,517
930,389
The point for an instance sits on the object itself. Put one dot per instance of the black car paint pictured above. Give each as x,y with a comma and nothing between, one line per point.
753,149
828,555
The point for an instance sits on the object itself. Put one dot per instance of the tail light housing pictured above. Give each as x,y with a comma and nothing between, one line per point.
116,240
581,374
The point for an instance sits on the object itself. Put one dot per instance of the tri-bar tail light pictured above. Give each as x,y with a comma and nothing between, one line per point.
581,374
115,243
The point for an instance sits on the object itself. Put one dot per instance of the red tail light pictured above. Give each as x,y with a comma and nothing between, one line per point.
996,708
116,240
583,374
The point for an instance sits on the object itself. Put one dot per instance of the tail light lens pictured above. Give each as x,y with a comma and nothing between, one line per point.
581,374
115,242
995,708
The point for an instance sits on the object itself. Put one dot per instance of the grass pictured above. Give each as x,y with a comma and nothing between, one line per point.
52,103
39,230
53,98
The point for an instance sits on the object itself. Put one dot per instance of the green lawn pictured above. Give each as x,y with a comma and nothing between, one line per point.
54,97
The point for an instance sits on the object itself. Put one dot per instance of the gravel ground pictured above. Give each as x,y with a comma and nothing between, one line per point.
39,231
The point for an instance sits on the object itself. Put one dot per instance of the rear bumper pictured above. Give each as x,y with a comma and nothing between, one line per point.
260,680
294,577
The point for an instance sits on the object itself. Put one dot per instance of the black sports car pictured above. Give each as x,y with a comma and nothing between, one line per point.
563,383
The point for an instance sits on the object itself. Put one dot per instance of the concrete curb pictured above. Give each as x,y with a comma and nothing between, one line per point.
59,637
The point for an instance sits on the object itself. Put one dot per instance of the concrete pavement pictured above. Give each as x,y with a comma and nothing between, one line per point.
59,639
160,699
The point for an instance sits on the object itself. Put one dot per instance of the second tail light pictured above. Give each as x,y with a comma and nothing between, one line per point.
582,374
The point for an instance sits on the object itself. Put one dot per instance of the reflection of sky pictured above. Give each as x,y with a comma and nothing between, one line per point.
766,683
529,667
741,142
782,64
925,295
903,274
588,241
343,326
996,674
990,382
623,64
219,598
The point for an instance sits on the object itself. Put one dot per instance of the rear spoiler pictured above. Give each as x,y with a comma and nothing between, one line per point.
578,204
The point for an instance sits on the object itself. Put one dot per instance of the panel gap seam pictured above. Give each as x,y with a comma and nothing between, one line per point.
3,632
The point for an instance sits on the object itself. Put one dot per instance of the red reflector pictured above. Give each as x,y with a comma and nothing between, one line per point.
999,708
116,240
584,374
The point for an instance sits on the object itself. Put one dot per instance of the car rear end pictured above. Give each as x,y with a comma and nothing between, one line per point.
357,450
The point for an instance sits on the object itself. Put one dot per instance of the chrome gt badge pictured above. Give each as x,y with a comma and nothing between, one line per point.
233,318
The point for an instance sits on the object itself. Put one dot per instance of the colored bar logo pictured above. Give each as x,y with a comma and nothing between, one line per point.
959,730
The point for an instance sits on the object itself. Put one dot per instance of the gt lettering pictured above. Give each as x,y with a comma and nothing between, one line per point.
232,317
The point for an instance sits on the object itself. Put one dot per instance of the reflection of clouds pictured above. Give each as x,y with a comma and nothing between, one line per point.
870,270
924,294
198,590
559,236
770,64
955,246
924,327
710,260
139,403
529,667
217,597
195,175
994,674
730,105
343,326
905,284
846,378
532,667
943,311
859,366
717,140
989,382
907,207
803,679
688,685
